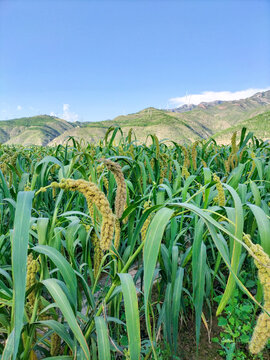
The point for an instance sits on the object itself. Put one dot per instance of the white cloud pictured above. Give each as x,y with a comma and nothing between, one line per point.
208,96
19,107
69,115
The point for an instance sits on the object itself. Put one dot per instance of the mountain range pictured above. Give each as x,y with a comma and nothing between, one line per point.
183,124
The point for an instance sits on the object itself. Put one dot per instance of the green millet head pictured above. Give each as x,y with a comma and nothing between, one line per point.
220,190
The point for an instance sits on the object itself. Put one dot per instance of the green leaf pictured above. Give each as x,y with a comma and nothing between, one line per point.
198,277
103,339
222,321
151,250
256,193
60,329
132,315
20,238
64,267
263,226
176,303
152,245
238,219
62,302
42,225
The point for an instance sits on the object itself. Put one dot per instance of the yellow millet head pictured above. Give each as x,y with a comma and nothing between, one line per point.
91,210
129,135
233,143
152,163
121,192
163,170
100,168
146,205
55,344
27,187
163,166
117,234
125,220
186,157
29,259
261,332
221,194
32,269
227,166
260,335
204,163
131,151
98,253
145,226
107,232
194,155
253,167
203,191
185,172
233,160
96,196
241,153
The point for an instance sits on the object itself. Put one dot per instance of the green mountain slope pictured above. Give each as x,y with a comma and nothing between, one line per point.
218,117
39,130
165,125
200,122
259,125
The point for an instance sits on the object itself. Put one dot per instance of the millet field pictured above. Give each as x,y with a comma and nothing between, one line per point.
122,250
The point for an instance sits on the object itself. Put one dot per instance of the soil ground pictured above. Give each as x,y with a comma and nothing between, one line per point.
207,350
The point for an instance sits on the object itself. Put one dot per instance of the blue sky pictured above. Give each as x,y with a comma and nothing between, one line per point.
93,60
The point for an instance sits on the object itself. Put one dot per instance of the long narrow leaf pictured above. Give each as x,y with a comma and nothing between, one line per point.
65,307
236,252
64,267
198,274
132,315
152,245
263,226
102,338
19,258
176,303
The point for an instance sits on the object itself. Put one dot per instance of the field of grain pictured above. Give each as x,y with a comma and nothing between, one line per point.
111,251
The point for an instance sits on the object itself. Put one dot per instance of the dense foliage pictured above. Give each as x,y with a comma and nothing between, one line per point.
106,259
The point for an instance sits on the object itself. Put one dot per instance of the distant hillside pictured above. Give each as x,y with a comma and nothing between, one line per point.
201,121
165,125
258,99
39,130
184,124
259,125
221,116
